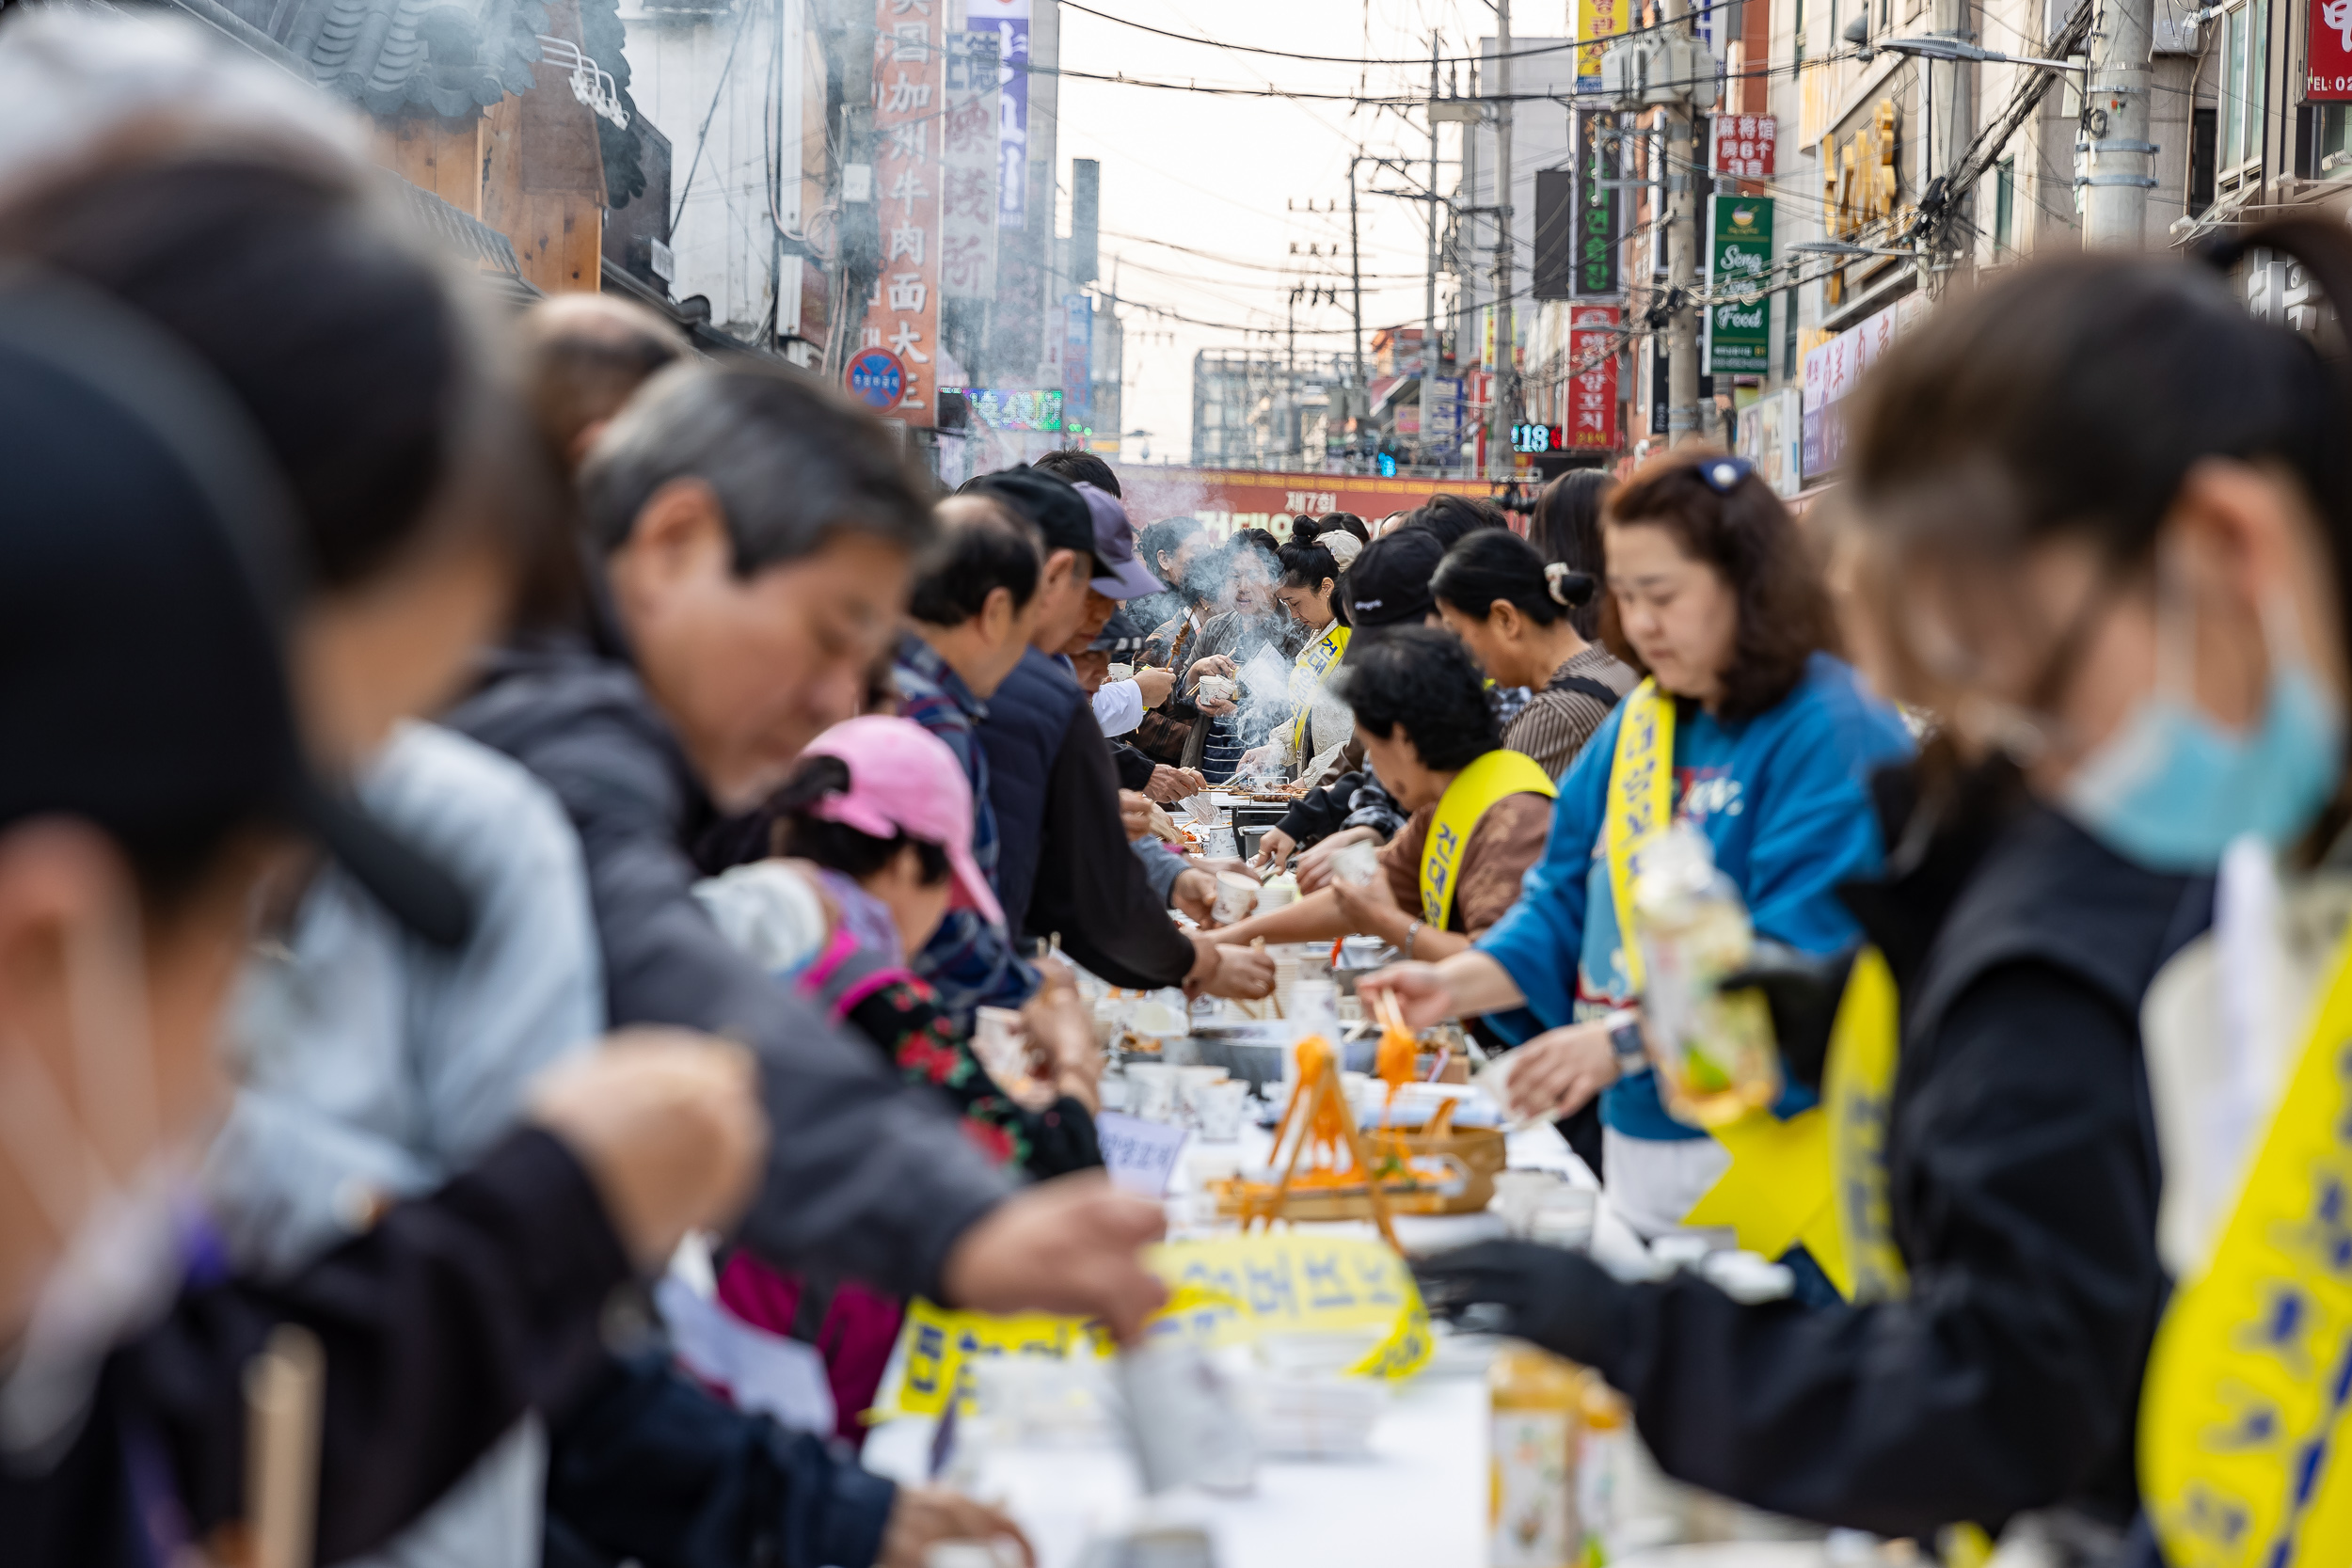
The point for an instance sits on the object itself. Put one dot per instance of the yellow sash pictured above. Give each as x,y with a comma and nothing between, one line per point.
1499,773
1315,660
2242,1420
1864,1044
1641,802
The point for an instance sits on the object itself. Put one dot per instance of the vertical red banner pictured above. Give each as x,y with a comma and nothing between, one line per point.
910,101
1590,423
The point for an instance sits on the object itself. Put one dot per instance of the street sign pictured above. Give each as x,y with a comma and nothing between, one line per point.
1596,160
1738,269
1593,340
877,379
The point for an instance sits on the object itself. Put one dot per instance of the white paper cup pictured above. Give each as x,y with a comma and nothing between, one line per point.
1237,896
1218,1108
1355,863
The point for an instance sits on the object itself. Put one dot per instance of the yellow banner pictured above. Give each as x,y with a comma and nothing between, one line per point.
1865,1045
1641,802
2242,1418
1474,789
1223,1291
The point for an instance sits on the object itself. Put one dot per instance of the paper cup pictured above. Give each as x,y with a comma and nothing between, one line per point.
1237,896
1355,863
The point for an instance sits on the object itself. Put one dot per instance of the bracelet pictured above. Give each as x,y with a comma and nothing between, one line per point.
1410,932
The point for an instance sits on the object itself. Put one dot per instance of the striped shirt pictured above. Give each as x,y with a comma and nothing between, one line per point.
1555,722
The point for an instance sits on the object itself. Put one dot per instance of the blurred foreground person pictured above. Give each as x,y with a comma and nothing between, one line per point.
754,534
2106,531
160,591
584,357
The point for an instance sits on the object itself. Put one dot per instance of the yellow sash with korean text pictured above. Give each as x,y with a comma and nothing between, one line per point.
1223,1289
1641,801
1308,671
2242,1420
1499,773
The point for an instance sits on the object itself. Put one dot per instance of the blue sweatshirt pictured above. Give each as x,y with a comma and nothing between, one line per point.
1783,799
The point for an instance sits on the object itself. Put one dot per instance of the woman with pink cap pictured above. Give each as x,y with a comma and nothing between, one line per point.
874,832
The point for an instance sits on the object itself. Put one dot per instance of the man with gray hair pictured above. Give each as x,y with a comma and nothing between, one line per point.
754,533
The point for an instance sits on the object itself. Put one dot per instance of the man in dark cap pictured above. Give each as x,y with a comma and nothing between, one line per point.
1064,865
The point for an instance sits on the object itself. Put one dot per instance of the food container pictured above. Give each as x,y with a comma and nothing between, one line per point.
1355,863
1217,688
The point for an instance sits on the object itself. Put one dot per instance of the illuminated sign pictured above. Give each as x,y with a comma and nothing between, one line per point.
1002,408
1536,438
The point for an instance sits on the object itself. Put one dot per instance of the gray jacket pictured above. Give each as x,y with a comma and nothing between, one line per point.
866,1176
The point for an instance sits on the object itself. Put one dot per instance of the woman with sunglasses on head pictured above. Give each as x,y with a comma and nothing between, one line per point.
1748,729
2104,530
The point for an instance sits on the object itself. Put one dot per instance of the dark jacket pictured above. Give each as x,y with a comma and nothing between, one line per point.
2023,1183
1063,864
865,1177
651,1469
453,1315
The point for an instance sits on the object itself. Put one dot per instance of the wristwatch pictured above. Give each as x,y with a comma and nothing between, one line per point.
1625,1039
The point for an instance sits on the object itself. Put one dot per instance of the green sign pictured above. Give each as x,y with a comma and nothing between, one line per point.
1739,270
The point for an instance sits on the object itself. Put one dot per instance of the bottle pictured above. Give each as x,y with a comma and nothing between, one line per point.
1534,1399
1715,1054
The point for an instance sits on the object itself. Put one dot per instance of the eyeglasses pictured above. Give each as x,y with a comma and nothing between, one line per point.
1722,474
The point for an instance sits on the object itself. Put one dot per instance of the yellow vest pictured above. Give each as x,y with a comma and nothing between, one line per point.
1499,773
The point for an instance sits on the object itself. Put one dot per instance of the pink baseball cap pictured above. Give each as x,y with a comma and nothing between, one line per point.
904,780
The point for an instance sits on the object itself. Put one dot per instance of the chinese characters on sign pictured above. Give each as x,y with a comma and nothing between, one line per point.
1744,145
967,193
1007,22
1591,421
1597,157
909,95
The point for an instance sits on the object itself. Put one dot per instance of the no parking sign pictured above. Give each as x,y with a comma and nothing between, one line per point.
877,379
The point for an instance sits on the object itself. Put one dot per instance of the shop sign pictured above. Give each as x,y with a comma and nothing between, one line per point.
1077,363
1593,340
1597,20
1596,206
967,200
909,91
1832,370
1739,267
1004,408
1008,21
1744,145
2329,60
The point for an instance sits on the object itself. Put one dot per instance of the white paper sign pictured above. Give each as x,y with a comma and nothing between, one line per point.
1140,1155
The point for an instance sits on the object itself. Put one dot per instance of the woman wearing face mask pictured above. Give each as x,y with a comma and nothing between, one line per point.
1749,730
2103,528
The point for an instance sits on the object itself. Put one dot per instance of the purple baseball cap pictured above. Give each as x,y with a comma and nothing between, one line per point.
1123,576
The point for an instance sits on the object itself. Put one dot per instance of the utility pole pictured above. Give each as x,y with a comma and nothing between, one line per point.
1682,337
1504,367
1362,402
2122,160
1429,297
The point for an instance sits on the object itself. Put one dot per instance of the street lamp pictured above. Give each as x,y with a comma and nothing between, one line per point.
1934,46
1841,248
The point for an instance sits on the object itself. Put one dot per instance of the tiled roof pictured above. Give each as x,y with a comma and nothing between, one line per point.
446,58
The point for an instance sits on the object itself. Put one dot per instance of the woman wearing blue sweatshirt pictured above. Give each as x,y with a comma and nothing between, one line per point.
1769,742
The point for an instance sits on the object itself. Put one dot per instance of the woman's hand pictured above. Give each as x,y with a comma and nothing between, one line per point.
1556,1072
1062,1046
1243,973
1314,867
1421,993
1372,909
1215,664
1194,895
1274,850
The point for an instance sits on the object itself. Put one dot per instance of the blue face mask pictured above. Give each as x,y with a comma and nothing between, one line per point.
2172,789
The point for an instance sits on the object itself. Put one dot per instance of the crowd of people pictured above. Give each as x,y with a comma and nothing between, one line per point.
493,804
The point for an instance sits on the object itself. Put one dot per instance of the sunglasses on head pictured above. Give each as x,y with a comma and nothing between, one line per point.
1722,474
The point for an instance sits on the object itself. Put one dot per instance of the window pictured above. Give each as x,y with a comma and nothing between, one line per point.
2331,141
2203,126
2245,36
2005,209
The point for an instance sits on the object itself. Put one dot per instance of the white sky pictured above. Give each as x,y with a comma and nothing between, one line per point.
1219,174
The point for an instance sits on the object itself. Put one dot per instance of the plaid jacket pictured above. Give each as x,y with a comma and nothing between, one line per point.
968,961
